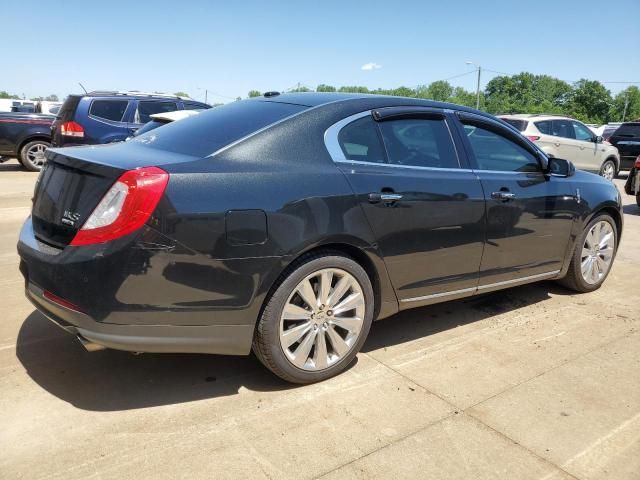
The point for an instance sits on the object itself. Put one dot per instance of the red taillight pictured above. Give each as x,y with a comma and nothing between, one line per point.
72,129
61,301
637,162
533,138
125,207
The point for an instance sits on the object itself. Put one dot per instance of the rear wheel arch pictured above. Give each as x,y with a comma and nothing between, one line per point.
616,162
32,138
335,248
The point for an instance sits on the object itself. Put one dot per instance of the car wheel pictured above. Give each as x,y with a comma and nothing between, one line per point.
593,255
316,320
32,155
608,170
638,199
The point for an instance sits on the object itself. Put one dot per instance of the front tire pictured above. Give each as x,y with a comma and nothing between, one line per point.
32,155
608,170
316,320
593,255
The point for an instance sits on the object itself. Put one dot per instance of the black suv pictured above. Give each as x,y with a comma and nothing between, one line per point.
627,140
107,117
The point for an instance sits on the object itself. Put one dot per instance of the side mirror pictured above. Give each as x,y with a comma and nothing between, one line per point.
599,139
559,167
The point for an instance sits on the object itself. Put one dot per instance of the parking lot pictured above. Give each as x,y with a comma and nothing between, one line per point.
532,382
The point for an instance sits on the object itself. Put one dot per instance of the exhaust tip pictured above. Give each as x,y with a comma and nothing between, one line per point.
89,346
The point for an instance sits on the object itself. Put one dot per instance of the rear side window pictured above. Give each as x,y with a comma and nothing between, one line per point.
495,152
145,109
360,141
108,109
628,130
194,106
521,125
203,134
419,142
544,126
562,128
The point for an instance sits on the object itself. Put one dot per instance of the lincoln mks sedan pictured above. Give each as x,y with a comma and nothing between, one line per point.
288,223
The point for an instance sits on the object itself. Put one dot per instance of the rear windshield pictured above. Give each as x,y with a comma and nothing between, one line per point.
515,122
213,129
68,108
628,130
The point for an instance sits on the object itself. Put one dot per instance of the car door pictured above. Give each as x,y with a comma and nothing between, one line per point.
588,154
426,210
568,146
529,214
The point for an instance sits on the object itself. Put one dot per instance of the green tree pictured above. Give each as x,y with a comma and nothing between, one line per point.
353,89
301,88
325,88
460,96
440,91
526,93
589,101
629,97
182,94
404,92
4,94
254,93
52,98
37,99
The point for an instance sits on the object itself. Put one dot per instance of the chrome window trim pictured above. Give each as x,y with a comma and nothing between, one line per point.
482,287
331,137
335,151
373,164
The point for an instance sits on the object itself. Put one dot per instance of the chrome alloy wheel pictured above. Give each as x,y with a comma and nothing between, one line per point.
608,171
35,154
597,252
322,319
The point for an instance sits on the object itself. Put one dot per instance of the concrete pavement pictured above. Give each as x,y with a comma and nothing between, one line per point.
529,383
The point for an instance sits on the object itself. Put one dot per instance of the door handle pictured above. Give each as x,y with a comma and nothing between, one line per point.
504,196
384,197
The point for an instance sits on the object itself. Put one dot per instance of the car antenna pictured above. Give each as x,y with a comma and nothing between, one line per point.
85,90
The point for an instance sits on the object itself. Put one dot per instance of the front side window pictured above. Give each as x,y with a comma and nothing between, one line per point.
493,151
562,128
145,109
582,132
360,141
109,109
419,142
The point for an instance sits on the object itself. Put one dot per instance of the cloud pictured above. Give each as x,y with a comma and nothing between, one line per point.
371,66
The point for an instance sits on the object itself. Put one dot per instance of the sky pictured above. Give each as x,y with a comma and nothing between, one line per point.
231,47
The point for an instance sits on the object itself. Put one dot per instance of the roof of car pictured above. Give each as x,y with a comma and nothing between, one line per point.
134,94
538,116
314,99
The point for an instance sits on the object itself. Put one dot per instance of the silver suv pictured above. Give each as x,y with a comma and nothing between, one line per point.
565,137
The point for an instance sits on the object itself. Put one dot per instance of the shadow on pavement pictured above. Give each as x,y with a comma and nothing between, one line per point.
11,167
111,380
631,209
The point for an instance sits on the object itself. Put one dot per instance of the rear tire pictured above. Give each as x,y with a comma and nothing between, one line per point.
593,255
638,199
32,155
326,341
608,170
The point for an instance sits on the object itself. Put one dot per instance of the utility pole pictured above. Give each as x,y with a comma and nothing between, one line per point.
477,85
626,104
205,95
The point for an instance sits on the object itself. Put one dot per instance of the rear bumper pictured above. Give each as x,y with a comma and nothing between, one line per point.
219,339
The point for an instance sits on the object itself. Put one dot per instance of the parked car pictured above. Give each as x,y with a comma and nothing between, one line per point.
627,140
25,136
160,119
632,185
565,137
288,223
107,117
608,130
